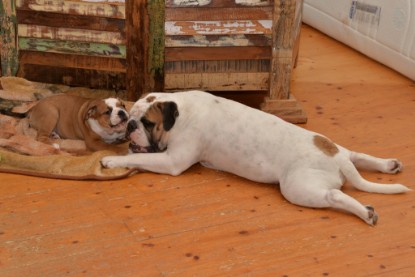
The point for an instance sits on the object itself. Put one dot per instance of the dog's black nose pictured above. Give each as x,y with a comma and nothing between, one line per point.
122,115
131,126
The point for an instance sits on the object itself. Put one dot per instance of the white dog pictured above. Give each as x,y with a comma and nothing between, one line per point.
178,130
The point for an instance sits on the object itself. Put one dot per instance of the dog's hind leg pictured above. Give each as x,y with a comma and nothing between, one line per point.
44,122
349,171
309,190
339,200
368,162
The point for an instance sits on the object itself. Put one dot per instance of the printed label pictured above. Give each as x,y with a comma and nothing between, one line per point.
365,13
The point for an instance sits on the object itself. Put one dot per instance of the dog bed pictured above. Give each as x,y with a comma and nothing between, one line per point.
21,153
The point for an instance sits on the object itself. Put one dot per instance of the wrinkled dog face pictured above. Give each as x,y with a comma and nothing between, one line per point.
108,118
150,125
118,116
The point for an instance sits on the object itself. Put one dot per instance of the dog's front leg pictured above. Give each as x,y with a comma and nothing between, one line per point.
154,162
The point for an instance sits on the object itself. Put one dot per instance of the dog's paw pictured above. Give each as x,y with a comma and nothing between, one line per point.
372,218
54,135
393,166
110,162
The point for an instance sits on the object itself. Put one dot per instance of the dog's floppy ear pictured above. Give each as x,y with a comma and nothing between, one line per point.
170,112
92,109
91,112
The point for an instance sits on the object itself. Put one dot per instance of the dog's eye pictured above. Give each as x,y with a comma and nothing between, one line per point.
108,112
147,123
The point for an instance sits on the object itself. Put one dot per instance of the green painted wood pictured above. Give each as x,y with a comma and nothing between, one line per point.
72,47
8,38
156,44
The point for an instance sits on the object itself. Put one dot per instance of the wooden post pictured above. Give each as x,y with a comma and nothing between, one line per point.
145,47
8,38
156,40
286,26
282,48
136,25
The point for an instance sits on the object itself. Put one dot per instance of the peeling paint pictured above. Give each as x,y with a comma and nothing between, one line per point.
73,47
218,27
267,24
171,28
104,1
75,7
253,2
70,34
191,3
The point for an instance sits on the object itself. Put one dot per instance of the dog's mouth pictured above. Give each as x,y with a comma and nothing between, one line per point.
119,126
135,148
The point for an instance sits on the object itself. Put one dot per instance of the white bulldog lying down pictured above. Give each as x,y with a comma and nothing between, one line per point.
178,130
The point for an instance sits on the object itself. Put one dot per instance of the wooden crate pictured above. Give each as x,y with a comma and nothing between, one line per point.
234,45
77,42
156,45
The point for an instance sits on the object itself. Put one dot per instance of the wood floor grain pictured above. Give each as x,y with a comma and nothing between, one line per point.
210,223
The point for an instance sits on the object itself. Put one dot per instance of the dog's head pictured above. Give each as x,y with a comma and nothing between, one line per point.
108,118
150,124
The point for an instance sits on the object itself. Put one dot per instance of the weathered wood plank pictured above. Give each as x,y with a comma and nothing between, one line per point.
113,2
73,76
72,47
216,3
72,61
187,3
71,21
228,66
218,27
112,10
218,41
8,39
217,53
212,14
217,81
56,33
253,2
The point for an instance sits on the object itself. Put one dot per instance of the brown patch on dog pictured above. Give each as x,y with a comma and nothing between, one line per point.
99,111
325,145
154,114
150,99
159,119
120,104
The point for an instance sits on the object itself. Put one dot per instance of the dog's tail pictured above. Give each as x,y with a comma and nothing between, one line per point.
351,174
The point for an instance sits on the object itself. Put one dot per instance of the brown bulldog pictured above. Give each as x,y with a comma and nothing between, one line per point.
101,123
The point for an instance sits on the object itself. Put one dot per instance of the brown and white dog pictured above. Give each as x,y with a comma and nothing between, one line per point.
188,127
101,123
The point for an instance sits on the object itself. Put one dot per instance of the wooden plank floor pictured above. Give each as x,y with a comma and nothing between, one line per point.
209,223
